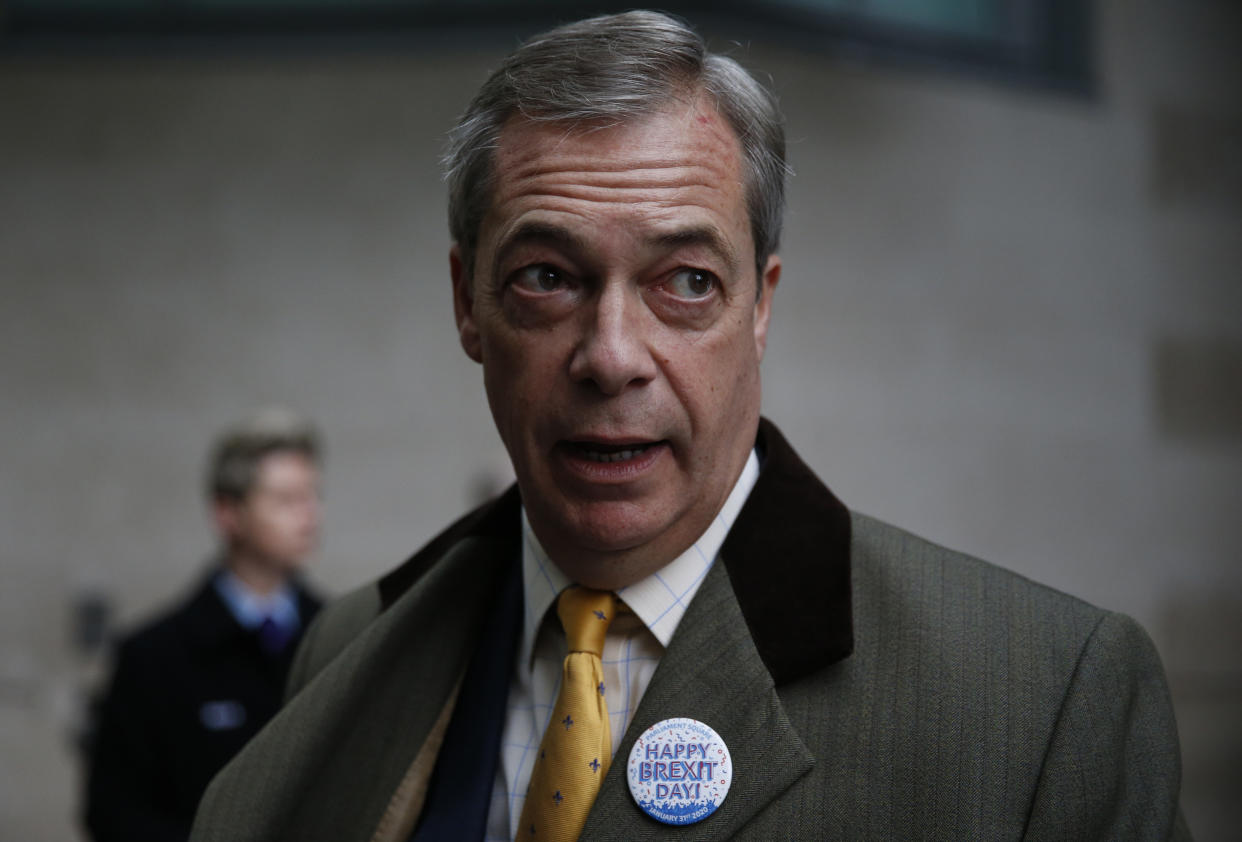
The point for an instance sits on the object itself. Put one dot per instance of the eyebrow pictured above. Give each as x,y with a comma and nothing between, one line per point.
534,231
706,236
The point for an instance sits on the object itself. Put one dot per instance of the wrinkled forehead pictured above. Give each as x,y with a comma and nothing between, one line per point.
673,171
684,144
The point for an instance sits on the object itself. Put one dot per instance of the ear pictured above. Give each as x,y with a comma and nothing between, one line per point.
463,306
763,307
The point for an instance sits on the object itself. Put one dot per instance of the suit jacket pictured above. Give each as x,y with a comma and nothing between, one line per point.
188,690
868,684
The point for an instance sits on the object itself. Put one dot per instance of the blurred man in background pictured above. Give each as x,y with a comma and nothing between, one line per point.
191,687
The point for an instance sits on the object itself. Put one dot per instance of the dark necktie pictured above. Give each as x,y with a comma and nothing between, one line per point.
274,636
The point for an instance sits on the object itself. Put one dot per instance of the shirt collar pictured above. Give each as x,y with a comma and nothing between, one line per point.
251,608
660,599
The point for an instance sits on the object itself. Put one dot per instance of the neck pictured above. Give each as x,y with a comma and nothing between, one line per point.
255,573
610,570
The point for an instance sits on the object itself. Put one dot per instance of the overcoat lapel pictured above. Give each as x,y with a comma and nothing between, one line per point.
713,673
329,768
776,607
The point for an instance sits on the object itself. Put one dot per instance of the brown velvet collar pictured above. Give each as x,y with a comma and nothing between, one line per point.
787,556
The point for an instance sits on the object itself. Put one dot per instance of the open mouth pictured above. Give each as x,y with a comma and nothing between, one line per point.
596,452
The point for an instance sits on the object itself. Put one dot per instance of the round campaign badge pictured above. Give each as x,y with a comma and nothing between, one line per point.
679,771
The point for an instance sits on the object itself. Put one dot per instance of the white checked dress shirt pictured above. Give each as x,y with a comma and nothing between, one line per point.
635,643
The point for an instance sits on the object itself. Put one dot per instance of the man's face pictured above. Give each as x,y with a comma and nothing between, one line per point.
613,307
277,523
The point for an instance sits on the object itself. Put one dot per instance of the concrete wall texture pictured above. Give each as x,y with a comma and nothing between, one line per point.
1009,321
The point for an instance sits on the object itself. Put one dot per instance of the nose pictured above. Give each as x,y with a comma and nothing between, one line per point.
613,353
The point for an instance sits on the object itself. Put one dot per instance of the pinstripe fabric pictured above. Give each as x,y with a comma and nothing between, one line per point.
977,705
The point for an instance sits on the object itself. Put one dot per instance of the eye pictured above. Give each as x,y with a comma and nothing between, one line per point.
691,283
540,277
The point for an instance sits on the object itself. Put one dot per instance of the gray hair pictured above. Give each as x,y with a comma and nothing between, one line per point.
236,454
615,68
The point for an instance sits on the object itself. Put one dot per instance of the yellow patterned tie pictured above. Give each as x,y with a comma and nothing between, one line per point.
577,745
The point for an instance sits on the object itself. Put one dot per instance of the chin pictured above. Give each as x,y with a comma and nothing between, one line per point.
294,564
606,528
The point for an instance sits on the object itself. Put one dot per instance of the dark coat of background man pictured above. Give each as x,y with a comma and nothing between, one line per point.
615,206
191,687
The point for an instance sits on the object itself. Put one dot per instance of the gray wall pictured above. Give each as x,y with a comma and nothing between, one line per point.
1009,321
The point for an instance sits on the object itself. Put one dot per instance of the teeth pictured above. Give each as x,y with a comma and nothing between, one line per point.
614,456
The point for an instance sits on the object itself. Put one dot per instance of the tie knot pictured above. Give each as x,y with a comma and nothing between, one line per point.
585,615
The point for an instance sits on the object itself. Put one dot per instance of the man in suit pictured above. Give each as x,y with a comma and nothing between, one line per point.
615,204
192,686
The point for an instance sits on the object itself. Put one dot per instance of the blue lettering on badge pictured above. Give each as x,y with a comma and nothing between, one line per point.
679,771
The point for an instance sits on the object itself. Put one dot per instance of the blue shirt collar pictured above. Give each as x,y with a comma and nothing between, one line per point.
251,608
